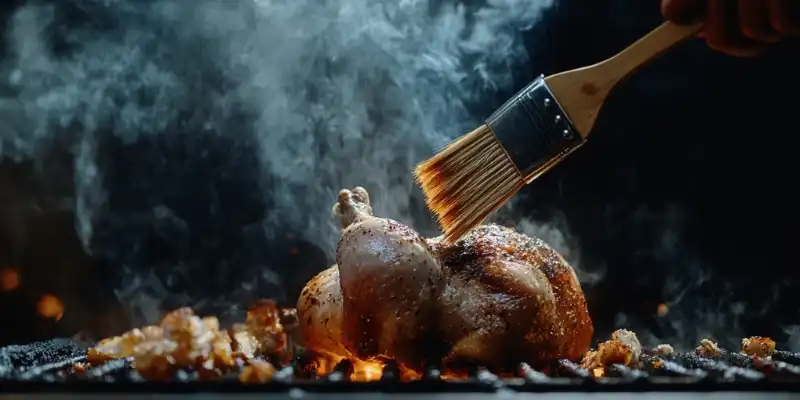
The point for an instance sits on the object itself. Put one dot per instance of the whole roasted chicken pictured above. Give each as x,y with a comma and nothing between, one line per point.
496,297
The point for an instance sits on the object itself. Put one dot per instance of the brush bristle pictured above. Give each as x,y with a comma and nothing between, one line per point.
467,181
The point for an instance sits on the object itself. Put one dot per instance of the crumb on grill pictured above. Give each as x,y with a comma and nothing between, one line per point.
257,372
663,350
708,348
758,346
623,348
182,340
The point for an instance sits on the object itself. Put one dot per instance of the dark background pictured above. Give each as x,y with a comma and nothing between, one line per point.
690,178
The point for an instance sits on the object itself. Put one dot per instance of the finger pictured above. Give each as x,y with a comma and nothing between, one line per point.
682,11
783,16
754,21
723,33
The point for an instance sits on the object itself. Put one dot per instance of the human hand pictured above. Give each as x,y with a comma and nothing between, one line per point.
738,27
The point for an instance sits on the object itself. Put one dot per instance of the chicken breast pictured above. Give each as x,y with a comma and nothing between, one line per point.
497,297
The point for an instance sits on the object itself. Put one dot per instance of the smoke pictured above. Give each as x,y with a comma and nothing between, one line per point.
555,231
793,333
365,90
696,301
164,105
661,263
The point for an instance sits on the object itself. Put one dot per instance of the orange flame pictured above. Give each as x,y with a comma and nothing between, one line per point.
598,372
50,306
325,363
372,369
363,370
366,371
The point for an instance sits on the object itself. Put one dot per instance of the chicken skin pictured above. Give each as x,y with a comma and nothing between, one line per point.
496,297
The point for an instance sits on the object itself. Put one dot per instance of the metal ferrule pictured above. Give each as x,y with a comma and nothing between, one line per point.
534,130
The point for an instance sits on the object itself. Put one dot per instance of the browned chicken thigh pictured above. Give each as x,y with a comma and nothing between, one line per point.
496,297
510,298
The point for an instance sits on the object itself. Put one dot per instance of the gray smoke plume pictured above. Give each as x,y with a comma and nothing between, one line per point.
697,301
555,231
793,333
366,89
328,94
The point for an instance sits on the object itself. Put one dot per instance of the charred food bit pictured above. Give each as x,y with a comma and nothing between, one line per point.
289,320
630,340
623,348
262,332
186,341
121,346
708,348
663,350
183,340
257,372
80,367
758,346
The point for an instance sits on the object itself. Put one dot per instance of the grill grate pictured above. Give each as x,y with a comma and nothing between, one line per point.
47,366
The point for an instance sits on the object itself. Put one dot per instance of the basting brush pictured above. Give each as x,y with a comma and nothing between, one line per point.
476,174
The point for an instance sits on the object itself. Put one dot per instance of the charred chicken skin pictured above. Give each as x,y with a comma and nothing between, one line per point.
495,297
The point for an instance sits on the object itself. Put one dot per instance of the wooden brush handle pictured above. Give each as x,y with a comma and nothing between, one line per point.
652,45
581,92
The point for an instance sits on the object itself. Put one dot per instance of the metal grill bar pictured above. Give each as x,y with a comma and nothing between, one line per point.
391,372
728,371
660,367
787,357
46,370
623,372
766,366
717,369
570,369
111,370
531,375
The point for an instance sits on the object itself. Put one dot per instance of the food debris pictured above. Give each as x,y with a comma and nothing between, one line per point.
80,367
758,346
663,350
257,372
183,340
624,348
708,348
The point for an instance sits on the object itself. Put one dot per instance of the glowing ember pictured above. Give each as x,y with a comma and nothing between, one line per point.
454,376
598,372
9,279
50,306
366,371
662,310
257,372
362,370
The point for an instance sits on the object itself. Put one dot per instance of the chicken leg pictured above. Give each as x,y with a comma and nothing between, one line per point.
390,282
